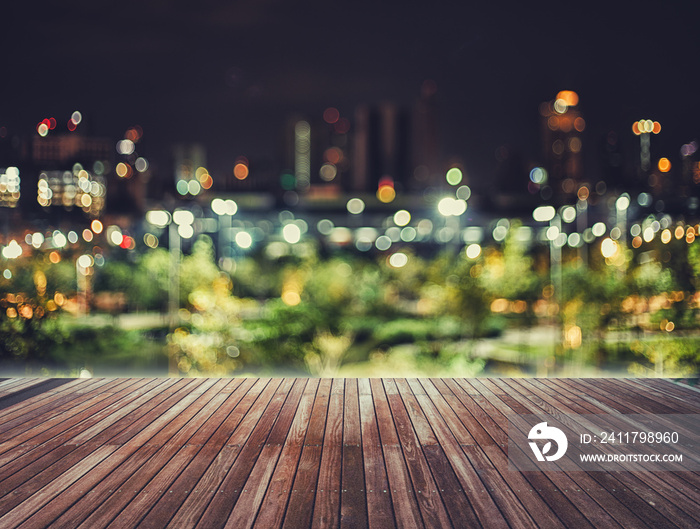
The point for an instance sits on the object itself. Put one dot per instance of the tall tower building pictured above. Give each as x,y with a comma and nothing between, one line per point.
562,125
190,163
381,147
425,148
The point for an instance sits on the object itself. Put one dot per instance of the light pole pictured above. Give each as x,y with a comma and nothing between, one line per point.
644,128
582,221
621,205
83,269
179,226
549,214
224,210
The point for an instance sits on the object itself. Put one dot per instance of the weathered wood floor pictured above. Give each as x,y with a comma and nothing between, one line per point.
352,453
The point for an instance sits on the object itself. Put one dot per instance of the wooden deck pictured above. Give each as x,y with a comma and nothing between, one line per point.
307,453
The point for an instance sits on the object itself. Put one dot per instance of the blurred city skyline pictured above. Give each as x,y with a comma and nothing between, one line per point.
231,77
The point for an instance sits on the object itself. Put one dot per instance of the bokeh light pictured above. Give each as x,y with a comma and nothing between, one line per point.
331,115
291,233
240,171
244,240
398,260
454,176
355,206
402,217
608,248
473,251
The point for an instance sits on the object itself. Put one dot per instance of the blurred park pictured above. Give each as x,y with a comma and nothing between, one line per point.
306,309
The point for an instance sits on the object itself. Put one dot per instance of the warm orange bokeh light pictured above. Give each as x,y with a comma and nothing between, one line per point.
664,165
635,128
386,194
240,171
333,155
123,170
569,96
656,127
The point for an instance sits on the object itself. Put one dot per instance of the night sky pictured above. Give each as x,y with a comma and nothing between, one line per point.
228,74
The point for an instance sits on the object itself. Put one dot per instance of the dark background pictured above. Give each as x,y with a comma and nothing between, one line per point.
229,74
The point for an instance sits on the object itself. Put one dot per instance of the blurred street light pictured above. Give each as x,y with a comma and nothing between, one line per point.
549,214
179,226
644,128
83,270
224,210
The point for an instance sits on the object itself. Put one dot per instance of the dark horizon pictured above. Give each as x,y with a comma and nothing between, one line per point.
229,76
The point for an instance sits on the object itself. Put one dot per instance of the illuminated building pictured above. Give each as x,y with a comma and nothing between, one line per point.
381,147
9,186
76,188
190,159
425,148
562,125
71,171
53,151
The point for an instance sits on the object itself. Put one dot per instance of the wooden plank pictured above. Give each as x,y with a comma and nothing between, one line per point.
274,503
644,398
154,478
420,424
24,428
600,491
40,457
327,500
353,505
38,401
666,390
258,452
380,511
22,511
478,408
100,481
598,485
507,506
150,463
301,501
406,510
186,482
241,421
461,488
260,476
429,501
667,484
484,410
263,422
14,385
675,488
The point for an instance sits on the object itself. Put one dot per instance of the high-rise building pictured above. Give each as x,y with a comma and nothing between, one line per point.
69,171
425,148
562,125
381,147
190,168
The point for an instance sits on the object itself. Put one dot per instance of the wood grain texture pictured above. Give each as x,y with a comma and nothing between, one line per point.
322,453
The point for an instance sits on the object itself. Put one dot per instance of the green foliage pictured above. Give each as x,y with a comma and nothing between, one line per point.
667,356
108,351
280,335
509,273
30,342
209,345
